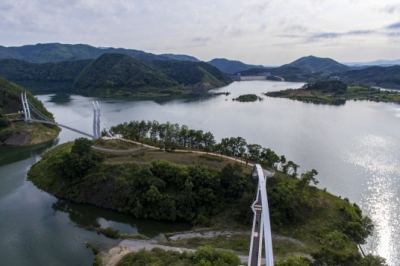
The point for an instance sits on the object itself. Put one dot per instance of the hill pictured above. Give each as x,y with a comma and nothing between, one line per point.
73,75
120,74
317,64
195,75
388,77
14,132
42,77
56,52
231,66
181,57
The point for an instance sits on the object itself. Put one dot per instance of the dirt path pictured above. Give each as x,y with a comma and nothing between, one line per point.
198,152
114,255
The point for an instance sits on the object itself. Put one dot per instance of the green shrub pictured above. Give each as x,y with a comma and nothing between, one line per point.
5,133
4,122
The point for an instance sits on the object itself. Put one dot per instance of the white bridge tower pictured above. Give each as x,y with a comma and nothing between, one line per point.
96,120
25,106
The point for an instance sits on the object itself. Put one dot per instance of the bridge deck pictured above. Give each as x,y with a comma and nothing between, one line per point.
61,125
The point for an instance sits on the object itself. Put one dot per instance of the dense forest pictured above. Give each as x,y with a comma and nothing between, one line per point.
119,74
42,77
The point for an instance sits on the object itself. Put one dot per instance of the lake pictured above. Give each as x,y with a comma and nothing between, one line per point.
354,147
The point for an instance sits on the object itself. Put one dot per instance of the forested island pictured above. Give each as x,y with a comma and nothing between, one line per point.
247,98
187,176
14,131
336,92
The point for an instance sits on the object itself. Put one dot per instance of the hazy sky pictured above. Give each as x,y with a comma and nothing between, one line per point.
256,31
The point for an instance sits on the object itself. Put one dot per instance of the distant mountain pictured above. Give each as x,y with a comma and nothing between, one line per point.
374,63
317,64
120,74
56,52
231,66
181,57
387,77
42,77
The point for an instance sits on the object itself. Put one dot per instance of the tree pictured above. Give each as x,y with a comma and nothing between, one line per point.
308,177
82,146
371,260
254,151
269,157
80,160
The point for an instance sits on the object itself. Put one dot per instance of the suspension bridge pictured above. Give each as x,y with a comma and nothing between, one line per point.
28,109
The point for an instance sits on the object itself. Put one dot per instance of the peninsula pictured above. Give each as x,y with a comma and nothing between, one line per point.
336,92
180,174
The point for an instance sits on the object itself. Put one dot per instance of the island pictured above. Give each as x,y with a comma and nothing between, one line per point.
173,173
336,92
247,98
13,130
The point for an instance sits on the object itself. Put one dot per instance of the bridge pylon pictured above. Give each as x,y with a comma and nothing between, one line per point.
96,120
25,106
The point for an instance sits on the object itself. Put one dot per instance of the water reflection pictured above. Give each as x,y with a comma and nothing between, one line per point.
12,154
85,215
380,199
60,98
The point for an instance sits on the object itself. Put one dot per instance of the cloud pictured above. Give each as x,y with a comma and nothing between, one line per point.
200,40
394,26
334,35
392,9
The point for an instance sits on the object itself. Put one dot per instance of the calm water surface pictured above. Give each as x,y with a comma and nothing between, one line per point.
354,147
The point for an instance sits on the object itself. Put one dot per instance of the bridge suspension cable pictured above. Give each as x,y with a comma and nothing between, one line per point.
46,120
36,111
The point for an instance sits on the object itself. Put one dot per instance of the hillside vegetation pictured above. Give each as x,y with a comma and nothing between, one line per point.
19,133
387,77
42,77
119,74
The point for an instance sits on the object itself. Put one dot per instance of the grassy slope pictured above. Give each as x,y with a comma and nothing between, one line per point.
319,222
38,132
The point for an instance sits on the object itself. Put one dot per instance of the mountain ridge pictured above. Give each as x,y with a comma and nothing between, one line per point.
317,64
